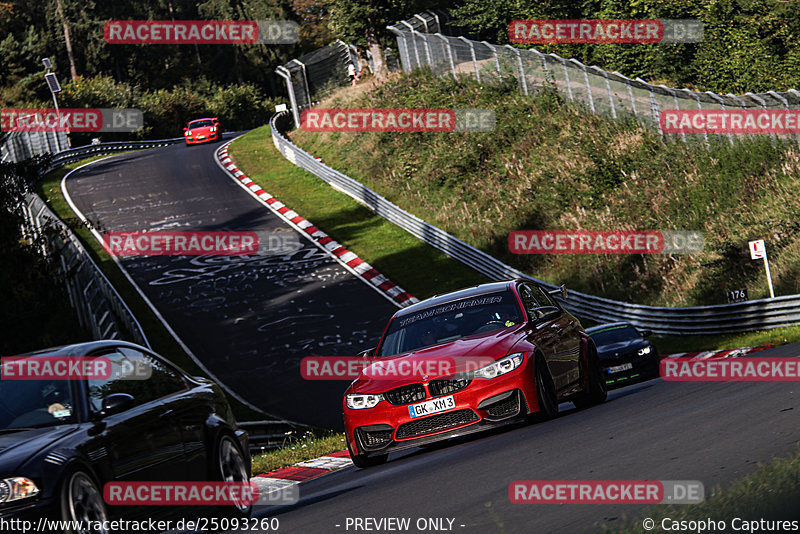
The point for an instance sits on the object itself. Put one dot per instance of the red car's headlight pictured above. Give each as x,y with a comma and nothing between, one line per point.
357,401
213,129
188,133
500,367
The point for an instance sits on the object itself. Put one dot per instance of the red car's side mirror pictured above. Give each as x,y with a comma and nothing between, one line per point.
185,129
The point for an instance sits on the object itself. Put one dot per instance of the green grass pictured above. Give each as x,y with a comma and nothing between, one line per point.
416,267
554,165
49,188
776,336
310,446
771,492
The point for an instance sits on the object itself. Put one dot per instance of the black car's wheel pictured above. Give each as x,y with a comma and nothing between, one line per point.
545,392
362,462
82,502
231,467
598,392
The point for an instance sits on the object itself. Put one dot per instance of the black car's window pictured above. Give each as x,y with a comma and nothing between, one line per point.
151,380
450,321
36,403
614,334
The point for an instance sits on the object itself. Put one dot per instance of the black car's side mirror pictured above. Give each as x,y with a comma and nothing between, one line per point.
116,403
546,313
646,333
368,353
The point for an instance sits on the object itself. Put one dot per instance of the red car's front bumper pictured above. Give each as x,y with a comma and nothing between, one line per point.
202,137
482,404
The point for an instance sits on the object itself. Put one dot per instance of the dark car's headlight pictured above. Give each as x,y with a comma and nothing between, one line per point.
645,350
500,367
16,488
356,401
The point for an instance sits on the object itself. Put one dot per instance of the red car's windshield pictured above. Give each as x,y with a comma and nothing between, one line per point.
201,124
450,321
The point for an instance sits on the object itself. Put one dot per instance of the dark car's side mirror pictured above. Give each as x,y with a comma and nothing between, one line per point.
368,353
646,333
116,403
546,313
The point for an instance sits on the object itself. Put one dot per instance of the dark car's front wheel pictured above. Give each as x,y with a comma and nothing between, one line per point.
362,462
231,467
597,392
82,503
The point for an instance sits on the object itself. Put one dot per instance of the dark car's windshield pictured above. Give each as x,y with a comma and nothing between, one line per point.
614,334
35,403
200,124
450,321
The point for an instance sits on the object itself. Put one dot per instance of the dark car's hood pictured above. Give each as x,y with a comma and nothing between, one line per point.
460,352
17,446
621,347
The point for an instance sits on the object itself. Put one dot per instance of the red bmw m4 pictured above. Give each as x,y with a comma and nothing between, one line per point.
468,361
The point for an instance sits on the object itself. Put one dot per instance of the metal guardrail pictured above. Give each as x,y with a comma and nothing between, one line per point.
99,307
421,43
717,319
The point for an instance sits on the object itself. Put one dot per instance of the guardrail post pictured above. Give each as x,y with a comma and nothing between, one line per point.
284,73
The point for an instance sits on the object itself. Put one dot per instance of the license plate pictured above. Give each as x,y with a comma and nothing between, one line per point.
620,368
431,406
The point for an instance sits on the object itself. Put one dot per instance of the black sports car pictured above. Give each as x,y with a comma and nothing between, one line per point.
625,354
61,440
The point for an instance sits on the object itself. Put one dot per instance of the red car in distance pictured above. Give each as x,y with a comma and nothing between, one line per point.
202,131
533,353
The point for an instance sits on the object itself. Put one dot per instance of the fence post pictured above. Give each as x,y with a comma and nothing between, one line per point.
474,58
496,60
675,103
428,53
522,79
586,81
604,74
424,22
566,75
694,95
715,96
284,73
305,79
449,54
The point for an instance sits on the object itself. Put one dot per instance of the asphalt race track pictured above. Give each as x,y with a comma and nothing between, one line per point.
656,430
249,319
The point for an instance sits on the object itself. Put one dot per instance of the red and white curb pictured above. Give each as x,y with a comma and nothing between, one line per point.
347,258
715,354
300,472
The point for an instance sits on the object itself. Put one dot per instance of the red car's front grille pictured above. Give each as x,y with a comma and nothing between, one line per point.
405,394
446,387
436,423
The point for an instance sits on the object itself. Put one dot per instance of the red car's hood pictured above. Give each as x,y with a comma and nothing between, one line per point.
200,130
455,355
